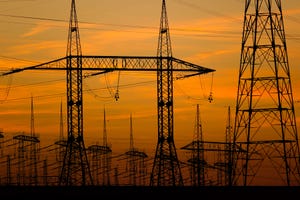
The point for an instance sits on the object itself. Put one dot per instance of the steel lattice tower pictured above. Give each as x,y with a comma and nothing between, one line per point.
106,157
75,169
265,132
228,150
166,169
197,162
61,142
33,179
135,162
100,162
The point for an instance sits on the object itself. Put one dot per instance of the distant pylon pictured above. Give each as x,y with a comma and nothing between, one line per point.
132,161
135,162
166,169
33,150
197,162
106,155
75,169
228,150
265,132
100,158
61,142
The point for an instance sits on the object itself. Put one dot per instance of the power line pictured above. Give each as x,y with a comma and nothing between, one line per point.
212,12
18,59
208,32
88,90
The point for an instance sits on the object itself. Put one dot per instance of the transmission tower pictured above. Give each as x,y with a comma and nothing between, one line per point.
33,151
101,158
75,169
61,142
106,157
135,165
225,153
166,169
265,132
228,150
25,163
197,161
77,173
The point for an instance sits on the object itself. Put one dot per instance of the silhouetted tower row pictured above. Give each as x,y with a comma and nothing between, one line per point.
75,169
166,169
265,132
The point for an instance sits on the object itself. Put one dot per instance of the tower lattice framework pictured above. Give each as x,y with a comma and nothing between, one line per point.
166,169
75,169
265,132
197,160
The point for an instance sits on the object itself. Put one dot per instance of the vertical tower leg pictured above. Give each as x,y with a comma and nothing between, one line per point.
265,132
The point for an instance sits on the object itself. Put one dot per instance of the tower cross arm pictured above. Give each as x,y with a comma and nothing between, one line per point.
184,65
54,64
139,63
112,63
187,66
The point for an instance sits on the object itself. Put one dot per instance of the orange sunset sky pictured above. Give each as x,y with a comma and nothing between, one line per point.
206,33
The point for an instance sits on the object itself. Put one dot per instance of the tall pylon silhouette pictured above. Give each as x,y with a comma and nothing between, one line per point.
75,169
106,157
100,159
135,165
265,132
33,149
166,169
228,150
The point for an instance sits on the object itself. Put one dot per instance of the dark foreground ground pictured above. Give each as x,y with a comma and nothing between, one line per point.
154,193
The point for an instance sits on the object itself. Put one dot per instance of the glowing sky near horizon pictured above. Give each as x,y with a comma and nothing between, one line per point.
206,33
